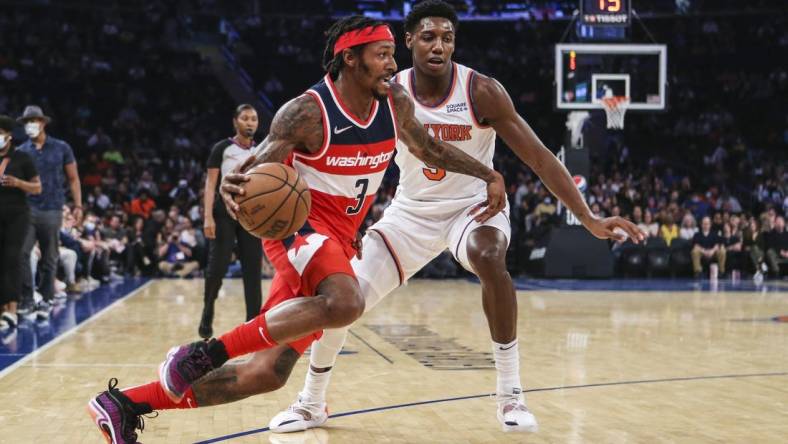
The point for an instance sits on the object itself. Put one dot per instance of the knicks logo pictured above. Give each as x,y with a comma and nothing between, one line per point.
449,132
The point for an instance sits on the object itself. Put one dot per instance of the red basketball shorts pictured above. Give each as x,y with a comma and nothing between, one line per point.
301,265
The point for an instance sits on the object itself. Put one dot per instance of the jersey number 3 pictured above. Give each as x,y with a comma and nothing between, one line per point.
435,174
363,184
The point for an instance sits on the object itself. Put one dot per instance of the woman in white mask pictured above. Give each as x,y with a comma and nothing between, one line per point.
18,177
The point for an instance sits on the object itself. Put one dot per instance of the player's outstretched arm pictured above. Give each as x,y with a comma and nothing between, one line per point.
296,126
439,154
494,107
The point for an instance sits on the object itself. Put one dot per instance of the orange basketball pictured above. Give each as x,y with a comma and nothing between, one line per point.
276,202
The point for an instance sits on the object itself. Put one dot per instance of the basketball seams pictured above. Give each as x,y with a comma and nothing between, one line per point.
261,173
263,192
291,180
295,207
273,213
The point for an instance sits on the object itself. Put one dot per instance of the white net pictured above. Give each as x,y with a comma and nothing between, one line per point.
615,108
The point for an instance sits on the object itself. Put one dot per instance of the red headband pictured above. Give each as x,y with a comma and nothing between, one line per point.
363,35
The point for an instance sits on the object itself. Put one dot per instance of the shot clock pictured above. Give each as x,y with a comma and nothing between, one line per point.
605,12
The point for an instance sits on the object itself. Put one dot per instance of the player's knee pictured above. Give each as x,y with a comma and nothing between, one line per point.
488,257
346,308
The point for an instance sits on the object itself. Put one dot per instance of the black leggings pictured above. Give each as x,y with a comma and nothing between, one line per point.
13,229
250,251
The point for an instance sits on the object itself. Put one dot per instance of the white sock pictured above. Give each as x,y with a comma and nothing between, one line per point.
315,386
507,365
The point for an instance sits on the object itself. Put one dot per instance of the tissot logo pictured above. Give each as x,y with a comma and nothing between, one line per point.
359,160
456,107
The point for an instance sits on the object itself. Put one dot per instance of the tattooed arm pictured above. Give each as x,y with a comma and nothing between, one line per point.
296,126
439,154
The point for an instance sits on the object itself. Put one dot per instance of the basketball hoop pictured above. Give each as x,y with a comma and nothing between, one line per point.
615,108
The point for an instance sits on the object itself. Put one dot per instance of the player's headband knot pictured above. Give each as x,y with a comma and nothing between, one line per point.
364,35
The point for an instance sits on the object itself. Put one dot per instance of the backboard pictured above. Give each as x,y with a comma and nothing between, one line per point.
586,73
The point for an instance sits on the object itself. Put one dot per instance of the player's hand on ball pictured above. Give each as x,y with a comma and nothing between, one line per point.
496,200
616,228
231,187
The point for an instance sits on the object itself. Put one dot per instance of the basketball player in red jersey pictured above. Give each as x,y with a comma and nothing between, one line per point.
339,135
468,109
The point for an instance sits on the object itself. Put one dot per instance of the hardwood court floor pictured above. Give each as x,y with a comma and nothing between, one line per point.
601,366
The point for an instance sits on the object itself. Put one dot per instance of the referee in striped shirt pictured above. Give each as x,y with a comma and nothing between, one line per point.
222,231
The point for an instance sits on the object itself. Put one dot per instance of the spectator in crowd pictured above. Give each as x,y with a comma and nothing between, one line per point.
637,216
18,177
706,244
176,256
649,226
142,205
69,252
55,163
688,227
97,249
151,239
754,247
777,246
146,183
717,223
669,230
733,248
546,207
115,236
136,260
98,201
182,195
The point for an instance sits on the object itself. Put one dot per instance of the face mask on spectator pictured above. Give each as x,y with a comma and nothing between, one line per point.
33,129
90,226
3,141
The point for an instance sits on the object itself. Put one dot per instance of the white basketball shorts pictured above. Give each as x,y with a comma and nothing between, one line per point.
411,234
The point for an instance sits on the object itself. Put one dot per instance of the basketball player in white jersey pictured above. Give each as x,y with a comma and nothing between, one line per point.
433,210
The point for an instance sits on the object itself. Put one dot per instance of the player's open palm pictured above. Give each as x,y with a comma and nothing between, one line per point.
496,200
616,228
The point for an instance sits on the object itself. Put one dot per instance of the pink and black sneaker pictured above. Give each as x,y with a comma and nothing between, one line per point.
117,416
188,363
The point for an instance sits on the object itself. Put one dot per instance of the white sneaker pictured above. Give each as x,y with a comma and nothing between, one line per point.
514,415
8,320
300,416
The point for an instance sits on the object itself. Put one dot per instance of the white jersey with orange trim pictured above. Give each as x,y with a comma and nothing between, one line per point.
344,176
430,212
453,121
